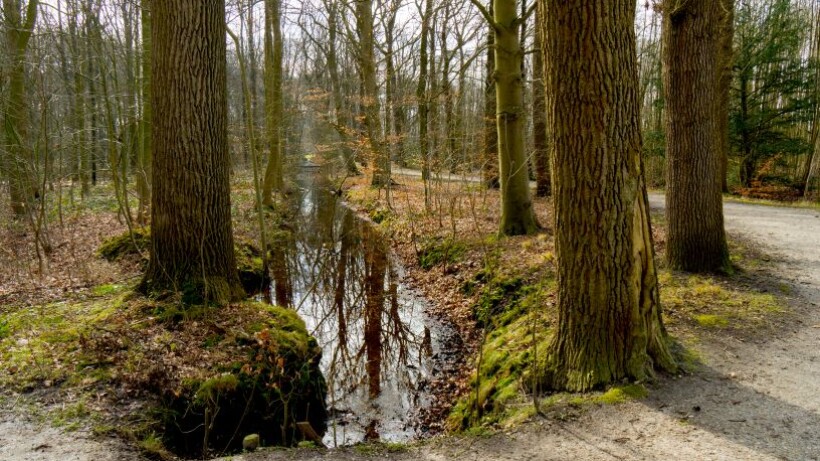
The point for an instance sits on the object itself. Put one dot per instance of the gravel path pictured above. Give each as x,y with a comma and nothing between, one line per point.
754,400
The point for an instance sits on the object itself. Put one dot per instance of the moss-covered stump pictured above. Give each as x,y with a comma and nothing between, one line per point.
135,242
251,269
278,386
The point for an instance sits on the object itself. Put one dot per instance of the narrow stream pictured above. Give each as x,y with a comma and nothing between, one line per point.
378,343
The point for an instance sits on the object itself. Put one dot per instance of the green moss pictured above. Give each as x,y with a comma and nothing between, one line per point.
622,394
153,447
119,246
250,266
514,315
277,385
716,301
380,215
5,330
498,382
380,448
106,289
440,251
712,321
34,340
210,389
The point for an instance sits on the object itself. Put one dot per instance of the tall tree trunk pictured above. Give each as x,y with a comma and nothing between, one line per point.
422,97
489,168
18,162
370,95
541,147
726,20
192,249
145,157
340,117
274,111
609,320
91,14
517,216
696,240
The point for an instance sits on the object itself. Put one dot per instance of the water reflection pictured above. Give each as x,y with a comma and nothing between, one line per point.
337,272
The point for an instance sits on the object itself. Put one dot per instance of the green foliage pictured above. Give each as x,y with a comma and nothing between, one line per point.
771,76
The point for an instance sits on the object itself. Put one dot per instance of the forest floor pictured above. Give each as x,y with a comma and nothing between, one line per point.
753,395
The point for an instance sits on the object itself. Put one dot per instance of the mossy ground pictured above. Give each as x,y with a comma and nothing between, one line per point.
501,294
173,359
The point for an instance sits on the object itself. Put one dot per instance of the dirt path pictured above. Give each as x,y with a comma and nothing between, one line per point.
754,400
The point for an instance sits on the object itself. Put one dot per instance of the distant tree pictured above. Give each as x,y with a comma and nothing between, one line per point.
696,240
192,249
771,78
370,96
517,215
274,109
609,318
540,138
490,143
18,162
144,153
726,30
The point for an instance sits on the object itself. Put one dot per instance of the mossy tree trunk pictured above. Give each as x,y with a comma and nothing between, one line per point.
192,249
19,159
609,324
517,216
696,240
274,111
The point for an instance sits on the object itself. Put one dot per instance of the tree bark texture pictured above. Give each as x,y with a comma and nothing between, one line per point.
144,158
726,19
517,216
370,95
696,240
422,96
340,119
541,144
18,161
192,249
609,324
274,111
489,168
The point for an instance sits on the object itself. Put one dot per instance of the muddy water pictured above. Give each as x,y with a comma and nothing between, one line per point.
378,343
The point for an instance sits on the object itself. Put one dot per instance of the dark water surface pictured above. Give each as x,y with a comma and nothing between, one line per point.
378,342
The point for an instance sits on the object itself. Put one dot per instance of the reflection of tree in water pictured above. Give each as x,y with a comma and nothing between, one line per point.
341,280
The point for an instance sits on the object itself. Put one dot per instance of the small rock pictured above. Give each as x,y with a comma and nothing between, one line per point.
250,442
